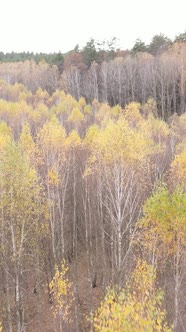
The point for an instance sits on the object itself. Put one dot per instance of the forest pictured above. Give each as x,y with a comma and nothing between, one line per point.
93,189
101,71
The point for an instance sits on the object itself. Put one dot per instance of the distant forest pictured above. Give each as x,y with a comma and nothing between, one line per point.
103,72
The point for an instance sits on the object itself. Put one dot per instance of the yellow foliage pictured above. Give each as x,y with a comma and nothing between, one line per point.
73,139
26,201
87,110
42,94
103,113
118,142
132,114
106,113
115,111
24,95
163,227
157,131
53,177
5,130
61,290
137,308
5,135
26,140
91,135
82,103
28,146
178,170
157,128
143,277
178,132
76,116
51,136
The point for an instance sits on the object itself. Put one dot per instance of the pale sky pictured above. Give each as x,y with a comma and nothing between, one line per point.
53,25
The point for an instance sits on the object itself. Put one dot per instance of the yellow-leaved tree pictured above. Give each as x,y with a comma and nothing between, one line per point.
5,135
62,293
163,240
136,308
23,214
28,145
119,159
53,170
177,173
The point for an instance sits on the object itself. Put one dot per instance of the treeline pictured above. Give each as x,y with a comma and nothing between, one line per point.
96,50
52,58
101,190
102,72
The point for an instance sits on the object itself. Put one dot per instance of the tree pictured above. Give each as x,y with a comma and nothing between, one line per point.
28,145
76,117
62,293
22,224
51,145
159,44
137,307
139,46
89,52
181,37
163,239
5,135
118,168
177,173
58,60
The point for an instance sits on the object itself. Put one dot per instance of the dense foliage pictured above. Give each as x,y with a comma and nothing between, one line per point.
101,71
92,202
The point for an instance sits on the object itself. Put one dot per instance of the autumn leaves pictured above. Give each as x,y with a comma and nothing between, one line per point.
104,183
137,307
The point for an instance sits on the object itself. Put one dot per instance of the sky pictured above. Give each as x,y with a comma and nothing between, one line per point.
58,25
